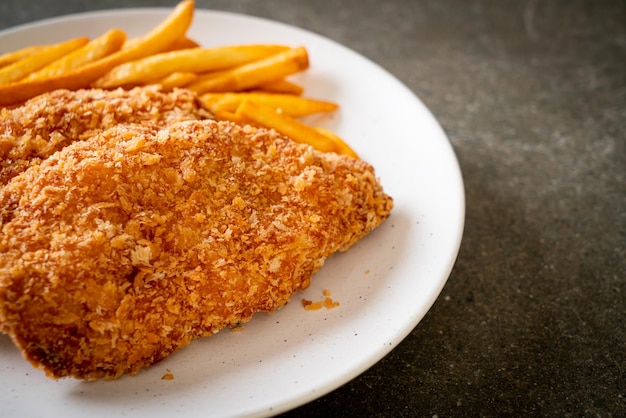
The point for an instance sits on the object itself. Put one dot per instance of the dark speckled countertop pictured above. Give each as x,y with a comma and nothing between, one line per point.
532,94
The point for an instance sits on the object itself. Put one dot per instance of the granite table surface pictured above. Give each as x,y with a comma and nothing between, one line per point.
532,95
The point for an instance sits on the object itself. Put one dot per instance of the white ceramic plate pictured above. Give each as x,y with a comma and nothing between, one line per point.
385,284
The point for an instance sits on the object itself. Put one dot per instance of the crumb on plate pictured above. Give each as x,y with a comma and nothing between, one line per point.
327,302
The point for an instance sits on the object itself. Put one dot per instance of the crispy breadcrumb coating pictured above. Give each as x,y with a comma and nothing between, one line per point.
122,248
45,124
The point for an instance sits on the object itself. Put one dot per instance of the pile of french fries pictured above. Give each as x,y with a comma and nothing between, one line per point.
246,84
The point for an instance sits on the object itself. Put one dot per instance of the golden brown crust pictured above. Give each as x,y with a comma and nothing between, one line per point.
120,249
45,124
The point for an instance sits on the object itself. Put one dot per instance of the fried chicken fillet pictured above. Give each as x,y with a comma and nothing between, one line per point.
123,248
47,123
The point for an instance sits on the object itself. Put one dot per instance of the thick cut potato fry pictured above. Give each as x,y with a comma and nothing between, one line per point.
176,80
286,125
162,36
245,84
247,76
340,144
100,47
294,106
15,93
209,76
281,86
230,116
14,56
182,43
22,68
197,60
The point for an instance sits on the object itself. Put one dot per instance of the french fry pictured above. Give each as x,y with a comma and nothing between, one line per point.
163,35
15,93
286,125
22,68
176,80
100,47
182,43
294,106
281,86
251,75
245,84
14,56
230,116
197,60
341,146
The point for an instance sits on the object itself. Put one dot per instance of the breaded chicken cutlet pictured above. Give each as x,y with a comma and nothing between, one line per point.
43,125
123,248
